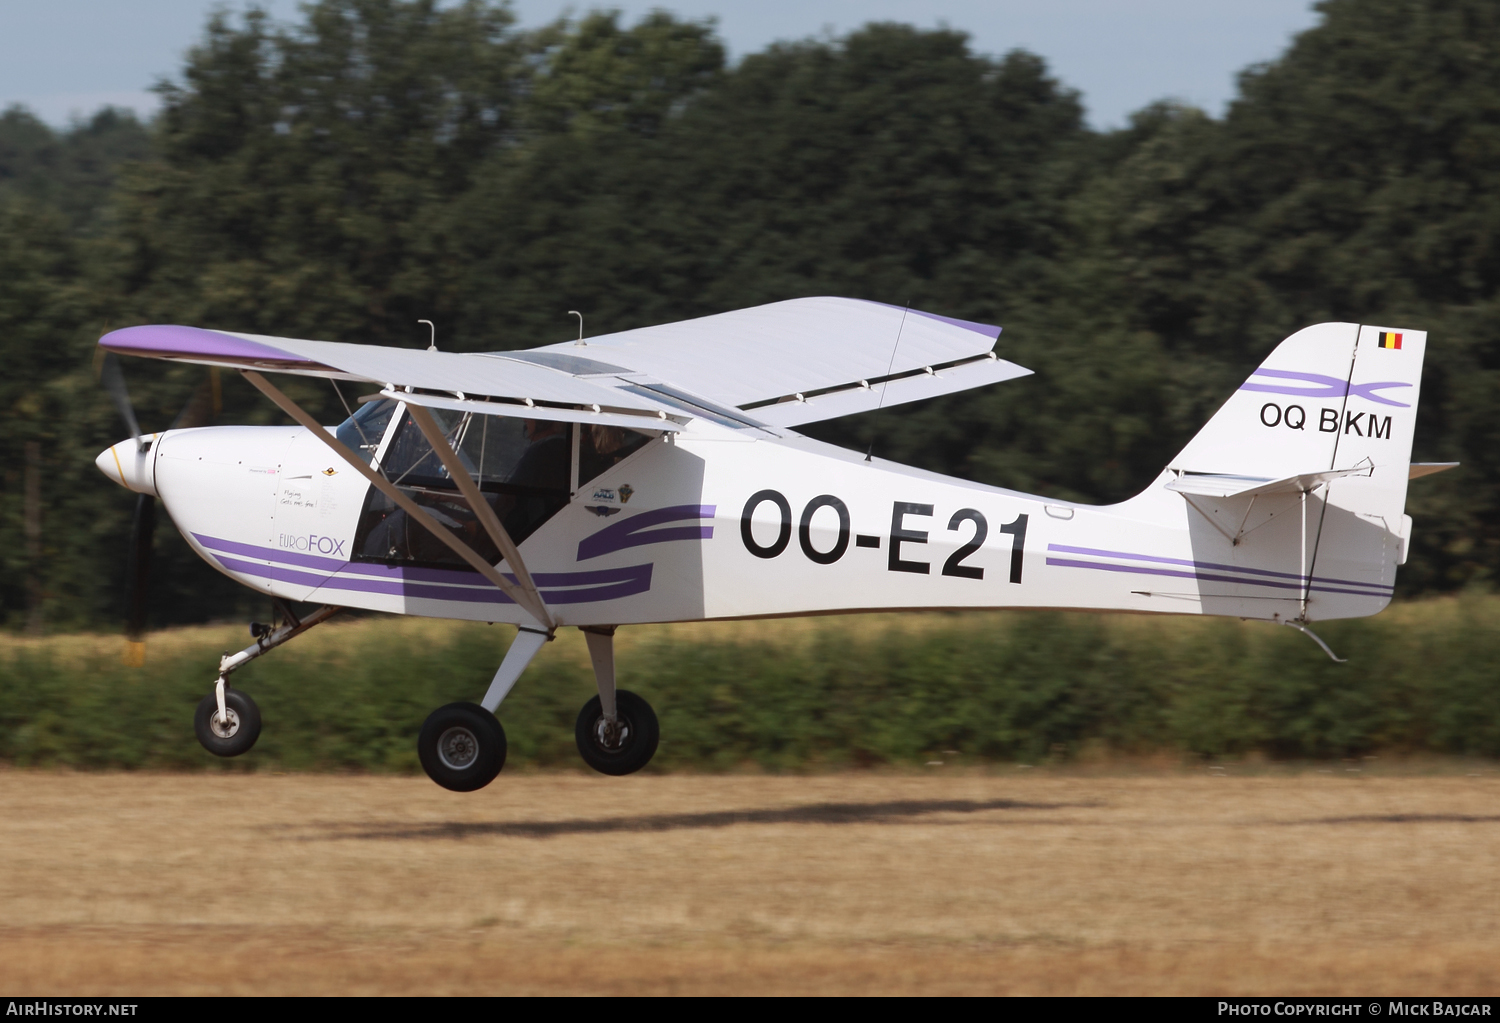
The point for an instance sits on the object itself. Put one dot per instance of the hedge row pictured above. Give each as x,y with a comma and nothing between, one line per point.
841,692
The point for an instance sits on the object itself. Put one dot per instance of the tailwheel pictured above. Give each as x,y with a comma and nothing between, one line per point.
623,746
462,747
233,732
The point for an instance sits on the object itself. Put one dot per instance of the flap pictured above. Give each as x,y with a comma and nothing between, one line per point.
866,396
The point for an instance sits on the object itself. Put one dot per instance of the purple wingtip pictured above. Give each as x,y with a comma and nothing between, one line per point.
168,341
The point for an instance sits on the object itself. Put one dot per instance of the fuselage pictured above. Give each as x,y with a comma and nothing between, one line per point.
714,522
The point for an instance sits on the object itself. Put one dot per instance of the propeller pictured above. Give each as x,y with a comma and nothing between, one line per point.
113,379
201,409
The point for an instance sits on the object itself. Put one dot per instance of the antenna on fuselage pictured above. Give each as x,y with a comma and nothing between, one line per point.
575,312
875,421
432,344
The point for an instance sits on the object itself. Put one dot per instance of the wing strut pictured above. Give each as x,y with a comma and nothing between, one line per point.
525,596
482,509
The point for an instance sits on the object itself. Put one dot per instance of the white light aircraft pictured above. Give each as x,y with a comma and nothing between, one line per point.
654,475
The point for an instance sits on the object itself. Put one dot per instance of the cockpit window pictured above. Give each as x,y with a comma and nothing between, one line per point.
361,432
521,466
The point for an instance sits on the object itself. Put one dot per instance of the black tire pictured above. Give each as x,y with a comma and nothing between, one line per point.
243,728
634,744
461,746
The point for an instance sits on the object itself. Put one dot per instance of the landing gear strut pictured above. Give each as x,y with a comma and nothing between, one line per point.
462,746
617,732
227,721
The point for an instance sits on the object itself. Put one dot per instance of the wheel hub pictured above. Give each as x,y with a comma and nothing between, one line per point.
611,735
222,728
458,748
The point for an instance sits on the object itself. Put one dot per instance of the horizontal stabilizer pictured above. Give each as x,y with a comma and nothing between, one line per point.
864,396
1428,468
1214,485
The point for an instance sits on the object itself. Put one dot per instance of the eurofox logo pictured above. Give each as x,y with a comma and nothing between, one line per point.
311,542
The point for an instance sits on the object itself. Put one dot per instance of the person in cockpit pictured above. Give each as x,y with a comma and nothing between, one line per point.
544,469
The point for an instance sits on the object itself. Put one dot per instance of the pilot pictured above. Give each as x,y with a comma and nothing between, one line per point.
544,463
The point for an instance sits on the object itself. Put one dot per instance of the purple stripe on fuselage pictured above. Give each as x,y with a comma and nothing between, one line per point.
1206,577
627,532
453,577
555,587
1093,552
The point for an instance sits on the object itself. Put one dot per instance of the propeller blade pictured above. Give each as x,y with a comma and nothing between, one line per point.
138,573
203,407
113,379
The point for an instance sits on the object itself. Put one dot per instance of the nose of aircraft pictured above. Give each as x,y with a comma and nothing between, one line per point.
130,467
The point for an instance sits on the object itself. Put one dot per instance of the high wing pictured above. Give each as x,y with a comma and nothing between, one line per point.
806,348
430,378
770,366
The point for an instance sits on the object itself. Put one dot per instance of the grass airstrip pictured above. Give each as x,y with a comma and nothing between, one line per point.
981,803
1349,879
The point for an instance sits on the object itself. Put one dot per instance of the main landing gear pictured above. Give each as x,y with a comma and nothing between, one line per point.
616,731
462,746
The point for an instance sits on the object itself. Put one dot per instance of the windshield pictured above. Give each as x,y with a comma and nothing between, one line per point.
362,431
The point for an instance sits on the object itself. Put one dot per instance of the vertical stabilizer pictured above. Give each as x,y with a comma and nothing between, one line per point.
1319,440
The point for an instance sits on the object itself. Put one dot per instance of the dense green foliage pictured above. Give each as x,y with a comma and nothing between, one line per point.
380,161
993,688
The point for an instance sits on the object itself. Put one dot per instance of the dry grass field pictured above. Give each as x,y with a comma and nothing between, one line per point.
1013,881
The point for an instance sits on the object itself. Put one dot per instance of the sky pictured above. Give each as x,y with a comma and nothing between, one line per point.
66,58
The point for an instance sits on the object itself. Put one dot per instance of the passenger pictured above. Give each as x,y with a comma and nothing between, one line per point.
603,447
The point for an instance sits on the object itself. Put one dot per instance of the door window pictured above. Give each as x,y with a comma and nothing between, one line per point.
601,447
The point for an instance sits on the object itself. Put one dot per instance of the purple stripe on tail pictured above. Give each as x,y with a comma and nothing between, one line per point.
1319,385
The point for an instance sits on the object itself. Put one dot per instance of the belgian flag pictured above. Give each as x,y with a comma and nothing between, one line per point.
1389,340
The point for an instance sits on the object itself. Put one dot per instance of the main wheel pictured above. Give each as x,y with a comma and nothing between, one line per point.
625,748
227,738
462,747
